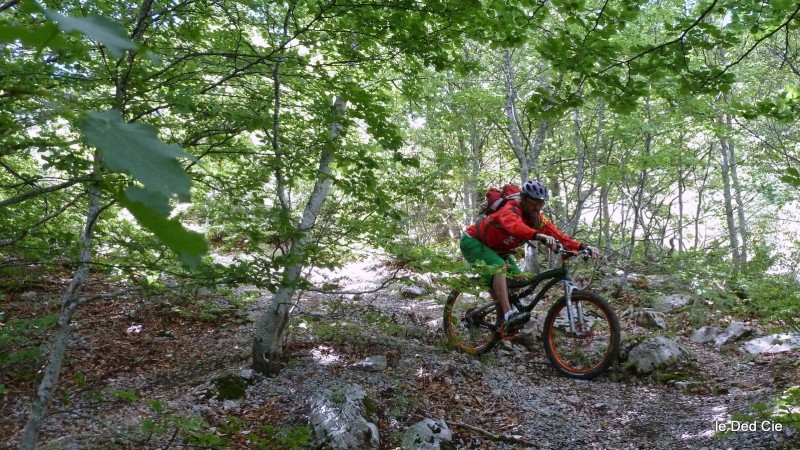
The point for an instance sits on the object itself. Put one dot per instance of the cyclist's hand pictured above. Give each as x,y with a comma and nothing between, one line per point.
549,241
594,251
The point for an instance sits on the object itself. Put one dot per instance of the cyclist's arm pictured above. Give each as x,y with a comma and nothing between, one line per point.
550,229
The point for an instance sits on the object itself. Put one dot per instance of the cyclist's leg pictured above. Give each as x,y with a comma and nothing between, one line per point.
474,250
502,286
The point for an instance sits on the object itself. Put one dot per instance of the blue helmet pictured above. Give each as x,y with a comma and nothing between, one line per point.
535,190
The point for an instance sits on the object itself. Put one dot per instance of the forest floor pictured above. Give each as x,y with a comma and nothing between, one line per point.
140,367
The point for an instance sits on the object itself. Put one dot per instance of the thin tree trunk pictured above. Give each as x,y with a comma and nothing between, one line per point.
513,120
572,224
271,328
648,150
730,219
280,180
580,166
681,192
58,347
528,155
737,191
474,167
606,210
699,211
605,226
638,198
729,147
70,300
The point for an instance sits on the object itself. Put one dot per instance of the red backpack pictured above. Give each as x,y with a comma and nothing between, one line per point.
496,198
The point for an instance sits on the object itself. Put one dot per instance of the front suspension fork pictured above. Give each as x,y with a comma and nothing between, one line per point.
577,312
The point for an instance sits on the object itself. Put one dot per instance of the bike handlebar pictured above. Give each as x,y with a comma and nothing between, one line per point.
560,249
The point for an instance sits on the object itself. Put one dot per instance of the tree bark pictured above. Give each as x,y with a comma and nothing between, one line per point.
528,153
729,147
700,191
271,328
513,121
638,197
730,219
58,347
681,192
737,190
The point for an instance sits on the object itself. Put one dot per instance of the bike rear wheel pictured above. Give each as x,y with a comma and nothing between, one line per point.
594,345
471,322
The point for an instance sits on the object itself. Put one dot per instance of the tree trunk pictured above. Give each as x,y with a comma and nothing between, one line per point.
473,172
730,219
513,120
737,191
605,225
271,328
580,166
637,199
58,347
700,191
681,193
729,148
527,155
580,163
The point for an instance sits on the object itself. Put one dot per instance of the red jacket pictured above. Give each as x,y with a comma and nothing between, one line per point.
505,229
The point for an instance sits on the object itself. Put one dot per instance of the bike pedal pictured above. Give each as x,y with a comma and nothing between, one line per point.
506,335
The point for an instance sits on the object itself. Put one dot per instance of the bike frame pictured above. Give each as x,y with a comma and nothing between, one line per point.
554,276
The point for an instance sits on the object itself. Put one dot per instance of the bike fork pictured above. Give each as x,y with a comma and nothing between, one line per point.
569,287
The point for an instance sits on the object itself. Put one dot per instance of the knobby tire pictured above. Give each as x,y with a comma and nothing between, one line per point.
594,346
474,335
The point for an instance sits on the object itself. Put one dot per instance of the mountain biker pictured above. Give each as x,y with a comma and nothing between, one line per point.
493,239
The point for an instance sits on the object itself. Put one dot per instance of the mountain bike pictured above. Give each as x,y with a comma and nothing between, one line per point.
581,334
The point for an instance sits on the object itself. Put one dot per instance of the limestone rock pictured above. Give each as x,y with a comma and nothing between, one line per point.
734,332
705,334
775,343
229,386
655,353
667,303
427,434
337,419
413,291
376,363
650,318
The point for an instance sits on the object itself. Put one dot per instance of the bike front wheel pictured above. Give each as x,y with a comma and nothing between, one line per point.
471,322
591,345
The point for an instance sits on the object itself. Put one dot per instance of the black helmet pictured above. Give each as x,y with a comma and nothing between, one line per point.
535,190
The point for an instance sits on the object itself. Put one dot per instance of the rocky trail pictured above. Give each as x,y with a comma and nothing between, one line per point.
154,373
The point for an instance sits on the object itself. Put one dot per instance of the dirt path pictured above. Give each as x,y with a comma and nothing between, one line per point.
140,372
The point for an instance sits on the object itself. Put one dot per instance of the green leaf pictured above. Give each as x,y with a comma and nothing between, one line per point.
136,150
157,203
100,29
38,37
188,244
792,177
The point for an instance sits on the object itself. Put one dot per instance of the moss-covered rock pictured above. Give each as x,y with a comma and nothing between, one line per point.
230,386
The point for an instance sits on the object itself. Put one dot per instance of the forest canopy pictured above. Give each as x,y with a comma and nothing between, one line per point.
227,143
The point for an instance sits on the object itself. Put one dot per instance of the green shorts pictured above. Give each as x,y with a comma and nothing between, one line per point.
487,260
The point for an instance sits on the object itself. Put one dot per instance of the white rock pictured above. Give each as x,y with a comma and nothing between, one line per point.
667,303
655,353
427,434
705,334
372,364
734,332
775,343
